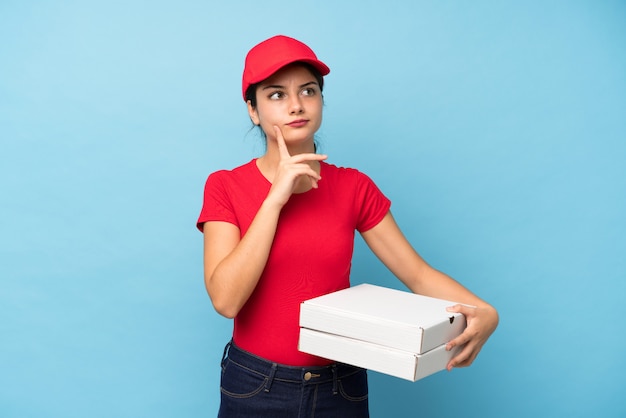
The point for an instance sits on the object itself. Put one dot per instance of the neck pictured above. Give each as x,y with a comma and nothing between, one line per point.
268,163
272,154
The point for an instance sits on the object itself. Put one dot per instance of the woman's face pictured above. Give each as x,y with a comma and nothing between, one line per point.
292,100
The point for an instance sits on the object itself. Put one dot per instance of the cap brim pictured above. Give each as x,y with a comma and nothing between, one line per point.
268,71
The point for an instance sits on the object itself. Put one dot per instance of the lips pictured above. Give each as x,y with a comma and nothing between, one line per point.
298,123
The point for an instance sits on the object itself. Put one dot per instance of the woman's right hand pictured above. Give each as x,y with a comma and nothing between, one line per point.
293,173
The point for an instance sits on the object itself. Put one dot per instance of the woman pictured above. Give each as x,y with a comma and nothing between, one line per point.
280,229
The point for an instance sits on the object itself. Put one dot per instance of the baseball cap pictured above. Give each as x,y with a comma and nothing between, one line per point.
271,55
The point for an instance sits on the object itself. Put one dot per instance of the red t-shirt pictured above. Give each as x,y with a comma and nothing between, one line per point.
311,253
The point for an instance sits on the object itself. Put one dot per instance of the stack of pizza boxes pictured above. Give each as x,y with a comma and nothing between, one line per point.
386,330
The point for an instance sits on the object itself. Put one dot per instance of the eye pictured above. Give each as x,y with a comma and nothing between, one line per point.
309,91
276,95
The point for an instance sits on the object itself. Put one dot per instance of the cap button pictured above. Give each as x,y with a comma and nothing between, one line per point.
307,376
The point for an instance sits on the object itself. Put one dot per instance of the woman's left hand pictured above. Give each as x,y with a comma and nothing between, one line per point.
481,323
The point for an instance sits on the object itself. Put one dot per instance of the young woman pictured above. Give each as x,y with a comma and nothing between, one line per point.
280,229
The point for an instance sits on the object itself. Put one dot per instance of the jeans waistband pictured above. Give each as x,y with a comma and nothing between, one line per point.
275,371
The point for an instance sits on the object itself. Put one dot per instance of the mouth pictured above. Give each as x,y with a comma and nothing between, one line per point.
298,123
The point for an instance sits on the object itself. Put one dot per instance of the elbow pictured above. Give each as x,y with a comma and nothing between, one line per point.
222,304
226,301
227,310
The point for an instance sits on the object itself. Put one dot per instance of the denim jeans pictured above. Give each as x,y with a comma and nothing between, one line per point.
253,387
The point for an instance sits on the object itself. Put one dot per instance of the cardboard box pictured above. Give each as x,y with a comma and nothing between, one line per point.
389,317
386,330
376,357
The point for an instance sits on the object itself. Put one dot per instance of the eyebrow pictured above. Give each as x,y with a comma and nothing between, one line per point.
278,86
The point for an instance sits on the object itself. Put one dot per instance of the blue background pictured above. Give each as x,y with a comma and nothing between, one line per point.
498,129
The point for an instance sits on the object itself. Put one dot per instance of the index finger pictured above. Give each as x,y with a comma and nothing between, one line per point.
280,140
462,308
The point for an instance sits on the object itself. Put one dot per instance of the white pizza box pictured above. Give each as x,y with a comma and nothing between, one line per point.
388,317
376,357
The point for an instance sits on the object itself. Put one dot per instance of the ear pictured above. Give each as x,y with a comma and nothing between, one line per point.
254,115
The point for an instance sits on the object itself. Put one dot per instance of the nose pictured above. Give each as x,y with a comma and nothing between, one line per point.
295,105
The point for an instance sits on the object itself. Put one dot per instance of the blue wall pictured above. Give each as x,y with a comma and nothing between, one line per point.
498,129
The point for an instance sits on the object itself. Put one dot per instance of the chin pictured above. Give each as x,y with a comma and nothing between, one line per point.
298,137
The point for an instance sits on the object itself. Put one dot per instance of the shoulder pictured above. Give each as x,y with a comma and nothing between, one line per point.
225,176
345,174
340,171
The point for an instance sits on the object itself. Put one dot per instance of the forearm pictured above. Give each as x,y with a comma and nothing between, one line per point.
235,277
431,282
393,249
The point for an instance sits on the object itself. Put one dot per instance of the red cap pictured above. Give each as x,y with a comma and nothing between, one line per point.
271,55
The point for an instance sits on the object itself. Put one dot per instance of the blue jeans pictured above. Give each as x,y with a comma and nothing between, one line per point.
253,387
